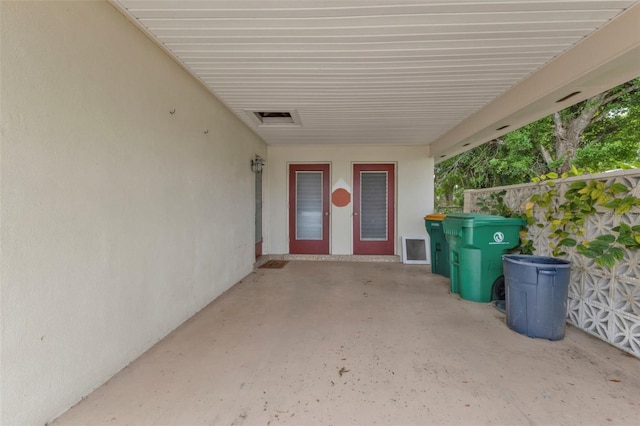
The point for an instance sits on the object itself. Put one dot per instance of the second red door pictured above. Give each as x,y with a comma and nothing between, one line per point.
373,209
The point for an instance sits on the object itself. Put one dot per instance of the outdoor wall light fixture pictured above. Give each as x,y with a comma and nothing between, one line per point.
257,164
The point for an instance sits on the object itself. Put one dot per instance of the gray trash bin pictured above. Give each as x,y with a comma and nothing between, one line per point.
536,295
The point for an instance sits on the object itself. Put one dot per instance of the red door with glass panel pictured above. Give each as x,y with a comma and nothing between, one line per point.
373,209
309,208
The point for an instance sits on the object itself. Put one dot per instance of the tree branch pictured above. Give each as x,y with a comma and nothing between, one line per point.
613,96
557,120
546,155
607,97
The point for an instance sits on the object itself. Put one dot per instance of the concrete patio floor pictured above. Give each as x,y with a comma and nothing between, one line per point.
337,343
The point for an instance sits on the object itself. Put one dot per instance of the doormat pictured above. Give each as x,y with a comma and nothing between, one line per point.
275,264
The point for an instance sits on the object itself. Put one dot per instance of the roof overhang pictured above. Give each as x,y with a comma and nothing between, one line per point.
609,57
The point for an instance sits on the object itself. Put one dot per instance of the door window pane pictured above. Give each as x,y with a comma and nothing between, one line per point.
373,206
308,205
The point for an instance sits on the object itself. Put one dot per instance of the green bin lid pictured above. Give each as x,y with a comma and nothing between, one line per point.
469,220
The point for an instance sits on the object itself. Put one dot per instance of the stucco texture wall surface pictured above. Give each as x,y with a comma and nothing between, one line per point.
119,220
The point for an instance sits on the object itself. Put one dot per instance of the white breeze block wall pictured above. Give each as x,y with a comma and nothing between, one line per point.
604,302
119,219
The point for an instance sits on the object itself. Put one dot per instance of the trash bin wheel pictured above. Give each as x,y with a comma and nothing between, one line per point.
499,289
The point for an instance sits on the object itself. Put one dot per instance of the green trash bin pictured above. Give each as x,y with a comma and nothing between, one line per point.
476,245
439,245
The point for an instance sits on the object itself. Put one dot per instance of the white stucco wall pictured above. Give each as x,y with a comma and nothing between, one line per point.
119,220
414,189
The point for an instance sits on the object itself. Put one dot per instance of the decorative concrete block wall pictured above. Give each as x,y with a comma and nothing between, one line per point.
604,302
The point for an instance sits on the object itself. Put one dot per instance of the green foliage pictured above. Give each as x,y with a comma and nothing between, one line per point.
602,131
612,140
518,154
567,218
501,162
494,204
611,155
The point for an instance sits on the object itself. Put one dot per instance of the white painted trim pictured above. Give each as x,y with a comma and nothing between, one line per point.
422,238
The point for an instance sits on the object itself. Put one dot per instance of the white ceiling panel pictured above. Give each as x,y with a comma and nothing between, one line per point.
364,71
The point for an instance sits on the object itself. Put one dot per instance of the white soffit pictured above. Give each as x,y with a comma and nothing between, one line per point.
406,72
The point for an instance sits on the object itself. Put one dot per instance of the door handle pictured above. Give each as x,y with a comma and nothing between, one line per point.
326,213
355,213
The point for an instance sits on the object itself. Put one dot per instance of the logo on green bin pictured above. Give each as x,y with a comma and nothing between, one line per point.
498,238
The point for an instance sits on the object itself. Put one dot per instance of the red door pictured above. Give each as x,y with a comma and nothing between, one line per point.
309,209
373,209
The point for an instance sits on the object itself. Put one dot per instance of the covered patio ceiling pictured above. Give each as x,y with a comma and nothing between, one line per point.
447,74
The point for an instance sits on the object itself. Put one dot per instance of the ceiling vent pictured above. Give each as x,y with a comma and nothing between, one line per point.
271,118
